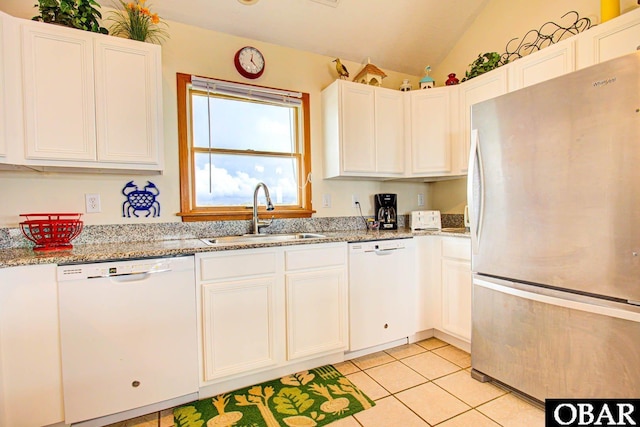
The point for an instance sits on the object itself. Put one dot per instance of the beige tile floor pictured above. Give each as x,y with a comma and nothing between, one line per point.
422,384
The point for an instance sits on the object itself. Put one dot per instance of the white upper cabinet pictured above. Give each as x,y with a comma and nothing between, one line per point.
91,101
363,125
478,89
59,100
363,130
550,62
128,101
609,40
389,135
430,136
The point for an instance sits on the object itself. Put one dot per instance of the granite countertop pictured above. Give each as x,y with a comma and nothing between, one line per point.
85,253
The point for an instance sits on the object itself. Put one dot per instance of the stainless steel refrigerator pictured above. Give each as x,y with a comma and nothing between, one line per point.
554,189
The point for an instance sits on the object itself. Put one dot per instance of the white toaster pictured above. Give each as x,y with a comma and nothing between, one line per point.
425,220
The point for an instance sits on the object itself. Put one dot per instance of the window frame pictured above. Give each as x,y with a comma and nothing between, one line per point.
188,210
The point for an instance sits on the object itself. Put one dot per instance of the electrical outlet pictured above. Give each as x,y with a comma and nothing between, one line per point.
355,200
326,200
420,199
92,203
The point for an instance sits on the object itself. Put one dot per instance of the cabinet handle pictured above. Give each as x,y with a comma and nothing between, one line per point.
386,325
135,384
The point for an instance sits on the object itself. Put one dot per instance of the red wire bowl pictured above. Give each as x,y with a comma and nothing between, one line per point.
51,231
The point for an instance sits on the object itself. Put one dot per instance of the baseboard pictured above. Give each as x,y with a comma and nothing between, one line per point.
271,374
456,342
359,353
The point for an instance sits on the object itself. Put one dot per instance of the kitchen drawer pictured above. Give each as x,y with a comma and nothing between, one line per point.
317,256
236,264
456,247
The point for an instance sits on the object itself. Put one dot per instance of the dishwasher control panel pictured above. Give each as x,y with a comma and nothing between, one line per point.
117,268
378,245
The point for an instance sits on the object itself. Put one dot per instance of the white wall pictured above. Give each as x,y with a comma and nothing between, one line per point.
207,53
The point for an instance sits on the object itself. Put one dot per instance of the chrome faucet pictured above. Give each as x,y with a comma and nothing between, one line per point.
257,224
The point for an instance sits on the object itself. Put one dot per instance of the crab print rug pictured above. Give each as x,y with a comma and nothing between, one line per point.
310,398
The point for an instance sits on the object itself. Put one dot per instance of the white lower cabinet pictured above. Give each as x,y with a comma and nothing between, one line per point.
456,287
443,301
30,364
261,309
238,326
316,300
429,283
239,313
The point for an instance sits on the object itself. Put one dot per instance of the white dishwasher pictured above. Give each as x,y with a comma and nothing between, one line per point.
382,289
128,335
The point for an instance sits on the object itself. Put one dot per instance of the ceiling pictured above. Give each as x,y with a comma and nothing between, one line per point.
398,35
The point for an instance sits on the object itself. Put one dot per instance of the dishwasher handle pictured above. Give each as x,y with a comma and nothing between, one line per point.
389,251
135,276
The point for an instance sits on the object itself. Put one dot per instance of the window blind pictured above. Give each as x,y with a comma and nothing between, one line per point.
246,91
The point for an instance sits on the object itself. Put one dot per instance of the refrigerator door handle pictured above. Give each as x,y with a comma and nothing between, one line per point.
563,299
476,207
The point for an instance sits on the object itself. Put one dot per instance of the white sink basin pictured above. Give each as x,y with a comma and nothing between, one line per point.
261,238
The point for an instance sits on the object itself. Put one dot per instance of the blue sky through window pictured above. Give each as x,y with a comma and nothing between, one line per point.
244,125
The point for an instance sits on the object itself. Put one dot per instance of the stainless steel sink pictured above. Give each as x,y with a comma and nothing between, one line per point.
261,238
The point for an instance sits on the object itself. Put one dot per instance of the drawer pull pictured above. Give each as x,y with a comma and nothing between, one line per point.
135,384
386,325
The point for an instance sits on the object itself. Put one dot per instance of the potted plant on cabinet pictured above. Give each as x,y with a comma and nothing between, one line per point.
136,22
81,14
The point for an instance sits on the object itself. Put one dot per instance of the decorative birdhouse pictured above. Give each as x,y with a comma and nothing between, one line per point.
370,75
427,81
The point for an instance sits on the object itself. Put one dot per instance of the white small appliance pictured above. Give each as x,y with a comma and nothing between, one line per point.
425,220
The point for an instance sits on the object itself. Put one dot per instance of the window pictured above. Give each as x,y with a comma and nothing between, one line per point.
233,136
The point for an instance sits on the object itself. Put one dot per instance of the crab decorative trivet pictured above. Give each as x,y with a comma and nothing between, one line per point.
140,200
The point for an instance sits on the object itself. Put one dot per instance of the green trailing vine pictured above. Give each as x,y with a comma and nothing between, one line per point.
485,62
533,41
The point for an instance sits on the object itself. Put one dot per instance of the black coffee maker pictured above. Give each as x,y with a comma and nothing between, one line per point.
386,207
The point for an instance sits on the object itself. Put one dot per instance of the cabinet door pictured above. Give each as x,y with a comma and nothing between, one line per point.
428,298
456,298
128,101
357,128
478,89
3,143
389,131
609,40
30,371
456,287
316,312
552,61
238,319
430,132
58,93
